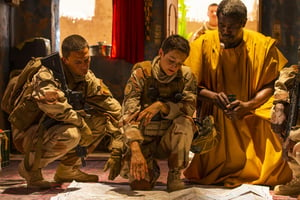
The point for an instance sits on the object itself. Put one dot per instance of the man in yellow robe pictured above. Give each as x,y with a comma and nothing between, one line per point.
240,63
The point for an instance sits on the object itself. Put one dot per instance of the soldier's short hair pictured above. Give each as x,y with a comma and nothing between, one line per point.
73,43
212,4
175,42
233,8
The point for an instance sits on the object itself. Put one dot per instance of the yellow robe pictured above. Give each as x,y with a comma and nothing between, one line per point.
249,152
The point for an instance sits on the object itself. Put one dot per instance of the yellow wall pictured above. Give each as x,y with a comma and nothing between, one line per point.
96,30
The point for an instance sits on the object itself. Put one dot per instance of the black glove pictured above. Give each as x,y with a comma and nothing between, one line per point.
114,164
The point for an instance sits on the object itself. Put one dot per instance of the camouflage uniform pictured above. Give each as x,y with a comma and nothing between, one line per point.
165,137
69,128
205,27
283,88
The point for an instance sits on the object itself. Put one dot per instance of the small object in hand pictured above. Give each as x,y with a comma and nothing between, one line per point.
231,97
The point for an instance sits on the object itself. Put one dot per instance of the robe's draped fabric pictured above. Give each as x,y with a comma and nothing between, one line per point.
128,30
249,152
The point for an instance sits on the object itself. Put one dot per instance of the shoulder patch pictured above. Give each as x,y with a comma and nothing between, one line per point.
128,89
45,75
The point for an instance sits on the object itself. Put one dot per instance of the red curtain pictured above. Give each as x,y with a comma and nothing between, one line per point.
128,30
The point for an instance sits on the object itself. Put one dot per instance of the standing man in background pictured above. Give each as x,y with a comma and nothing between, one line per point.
211,24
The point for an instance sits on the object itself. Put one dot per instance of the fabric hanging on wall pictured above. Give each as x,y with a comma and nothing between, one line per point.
128,30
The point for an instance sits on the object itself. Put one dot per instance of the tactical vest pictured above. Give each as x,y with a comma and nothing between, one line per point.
157,91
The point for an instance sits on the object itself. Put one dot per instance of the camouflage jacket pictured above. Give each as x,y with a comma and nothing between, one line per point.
52,100
133,96
283,88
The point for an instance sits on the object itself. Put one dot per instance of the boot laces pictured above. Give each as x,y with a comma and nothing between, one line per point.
294,181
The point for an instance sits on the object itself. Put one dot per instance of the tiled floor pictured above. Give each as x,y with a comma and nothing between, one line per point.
12,186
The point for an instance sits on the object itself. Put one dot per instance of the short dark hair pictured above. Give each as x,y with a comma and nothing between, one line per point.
73,43
233,8
212,4
176,42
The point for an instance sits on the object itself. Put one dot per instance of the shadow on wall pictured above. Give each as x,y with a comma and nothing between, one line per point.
113,72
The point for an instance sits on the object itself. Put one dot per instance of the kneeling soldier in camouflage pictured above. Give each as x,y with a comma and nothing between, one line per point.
159,101
57,128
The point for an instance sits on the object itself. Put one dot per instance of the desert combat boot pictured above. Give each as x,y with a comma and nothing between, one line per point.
291,188
66,173
34,178
174,182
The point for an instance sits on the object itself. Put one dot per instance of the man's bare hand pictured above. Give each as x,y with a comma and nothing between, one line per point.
148,113
237,109
221,100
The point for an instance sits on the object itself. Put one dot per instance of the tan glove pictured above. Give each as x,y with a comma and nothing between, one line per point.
114,164
86,134
278,118
296,152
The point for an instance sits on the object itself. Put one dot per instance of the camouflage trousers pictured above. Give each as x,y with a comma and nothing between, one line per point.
59,141
173,145
294,160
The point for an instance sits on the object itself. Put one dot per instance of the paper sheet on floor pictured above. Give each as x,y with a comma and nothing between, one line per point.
107,191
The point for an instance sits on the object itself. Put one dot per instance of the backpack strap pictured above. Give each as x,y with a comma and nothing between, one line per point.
146,68
16,84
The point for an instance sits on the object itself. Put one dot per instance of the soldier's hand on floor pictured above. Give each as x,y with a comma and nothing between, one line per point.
114,164
138,163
